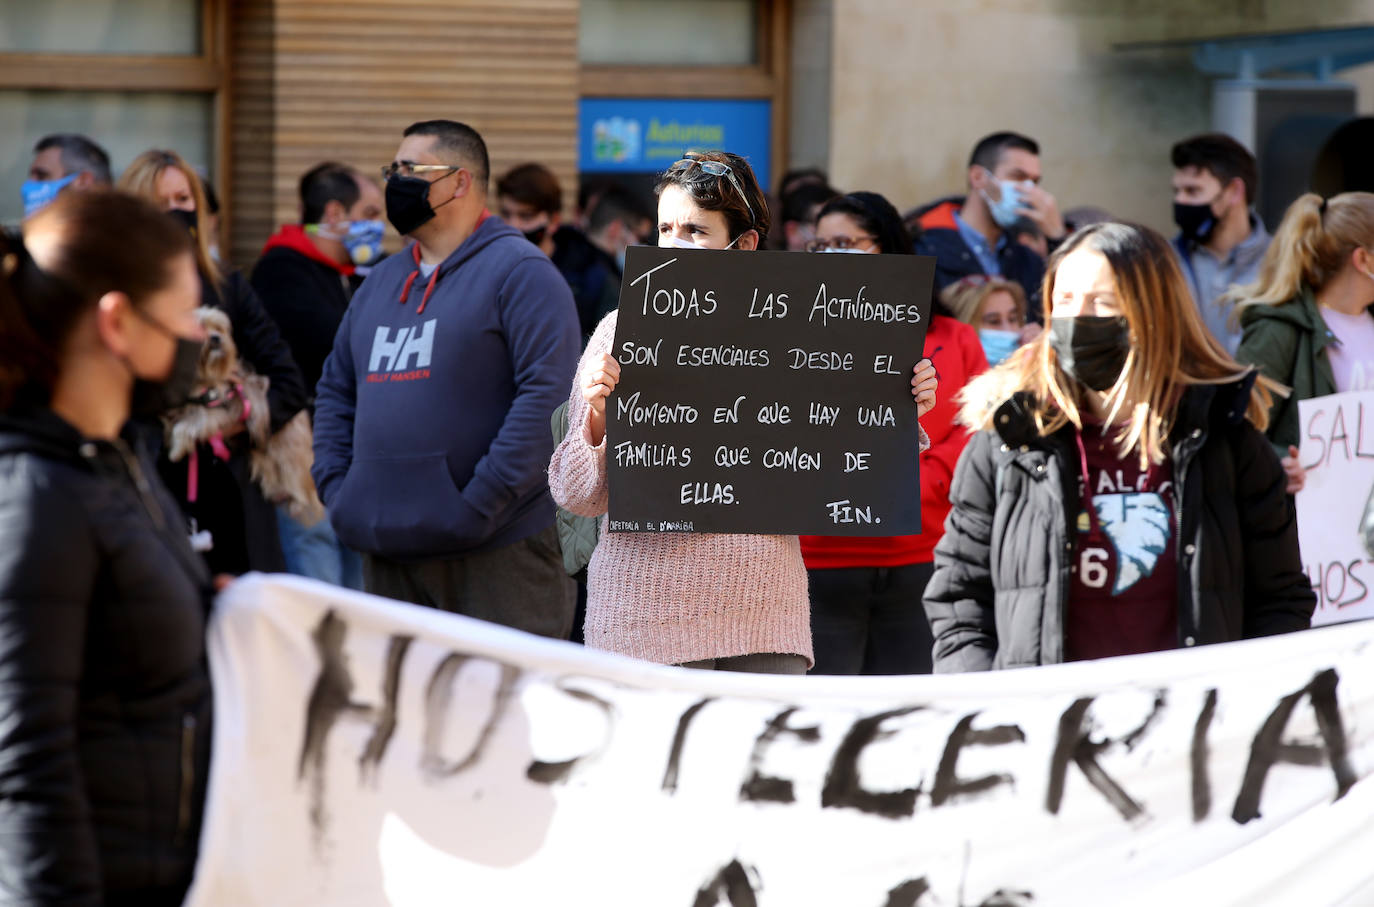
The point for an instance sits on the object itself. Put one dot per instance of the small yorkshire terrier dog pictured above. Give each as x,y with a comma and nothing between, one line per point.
229,392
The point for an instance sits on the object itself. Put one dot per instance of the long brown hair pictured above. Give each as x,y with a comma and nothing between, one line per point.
82,246
1171,349
141,178
1313,243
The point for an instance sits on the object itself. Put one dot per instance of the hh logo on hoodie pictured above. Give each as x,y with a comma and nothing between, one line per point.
404,357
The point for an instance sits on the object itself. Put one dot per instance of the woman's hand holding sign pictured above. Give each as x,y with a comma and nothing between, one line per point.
923,383
599,378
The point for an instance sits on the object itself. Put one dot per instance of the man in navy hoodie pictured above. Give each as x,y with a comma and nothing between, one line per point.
432,415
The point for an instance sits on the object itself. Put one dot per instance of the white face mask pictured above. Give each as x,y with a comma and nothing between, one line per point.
677,242
850,251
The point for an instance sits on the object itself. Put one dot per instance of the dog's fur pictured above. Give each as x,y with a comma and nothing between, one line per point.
280,462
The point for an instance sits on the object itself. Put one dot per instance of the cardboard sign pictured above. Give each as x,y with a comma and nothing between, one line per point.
1338,453
767,392
369,753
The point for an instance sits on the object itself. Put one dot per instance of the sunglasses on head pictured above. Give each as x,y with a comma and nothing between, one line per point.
715,169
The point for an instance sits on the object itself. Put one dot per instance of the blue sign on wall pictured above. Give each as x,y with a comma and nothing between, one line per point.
641,135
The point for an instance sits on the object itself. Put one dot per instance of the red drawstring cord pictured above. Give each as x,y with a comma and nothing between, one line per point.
434,277
410,282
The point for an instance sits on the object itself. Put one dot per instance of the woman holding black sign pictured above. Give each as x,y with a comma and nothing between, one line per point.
866,614
1119,495
714,601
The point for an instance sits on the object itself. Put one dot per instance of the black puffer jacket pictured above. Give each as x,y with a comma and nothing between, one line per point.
104,689
1002,570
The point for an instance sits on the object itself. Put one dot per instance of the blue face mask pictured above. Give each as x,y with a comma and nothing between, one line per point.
364,241
1005,211
998,345
38,194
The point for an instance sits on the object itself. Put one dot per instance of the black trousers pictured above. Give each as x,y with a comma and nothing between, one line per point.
521,585
869,620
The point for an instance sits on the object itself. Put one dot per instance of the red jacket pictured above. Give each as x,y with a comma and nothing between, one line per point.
958,356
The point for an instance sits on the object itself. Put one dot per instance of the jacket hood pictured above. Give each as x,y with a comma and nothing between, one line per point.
982,396
941,215
1300,311
32,428
994,397
489,230
294,237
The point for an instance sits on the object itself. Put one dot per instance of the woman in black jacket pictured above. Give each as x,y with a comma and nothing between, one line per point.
1121,496
104,688
242,524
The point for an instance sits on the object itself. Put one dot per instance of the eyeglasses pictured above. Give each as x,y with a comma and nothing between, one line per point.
840,242
714,168
410,168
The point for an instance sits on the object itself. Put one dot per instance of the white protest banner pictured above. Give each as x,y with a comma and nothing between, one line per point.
368,753
1338,452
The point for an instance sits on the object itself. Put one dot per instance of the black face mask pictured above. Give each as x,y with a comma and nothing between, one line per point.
1195,221
153,398
537,235
407,203
187,219
1091,348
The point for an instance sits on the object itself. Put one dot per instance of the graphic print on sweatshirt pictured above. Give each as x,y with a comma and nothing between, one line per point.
1123,596
1132,540
1139,526
401,354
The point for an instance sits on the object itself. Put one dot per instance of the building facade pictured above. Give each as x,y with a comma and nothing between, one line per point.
887,95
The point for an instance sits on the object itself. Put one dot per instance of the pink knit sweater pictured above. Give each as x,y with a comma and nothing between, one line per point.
675,597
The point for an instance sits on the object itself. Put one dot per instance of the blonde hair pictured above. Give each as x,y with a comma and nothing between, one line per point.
1312,244
1170,349
966,298
141,177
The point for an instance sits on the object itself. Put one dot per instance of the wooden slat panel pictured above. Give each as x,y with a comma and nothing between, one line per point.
85,72
341,79
253,119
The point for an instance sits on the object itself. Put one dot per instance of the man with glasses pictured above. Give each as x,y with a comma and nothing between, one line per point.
976,234
432,415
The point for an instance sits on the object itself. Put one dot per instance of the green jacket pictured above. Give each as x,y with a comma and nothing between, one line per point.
577,535
1288,343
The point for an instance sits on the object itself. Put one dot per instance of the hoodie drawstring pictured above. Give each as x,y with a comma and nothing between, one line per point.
410,282
433,278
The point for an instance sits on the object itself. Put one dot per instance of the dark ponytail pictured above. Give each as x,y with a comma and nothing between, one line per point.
19,343
79,248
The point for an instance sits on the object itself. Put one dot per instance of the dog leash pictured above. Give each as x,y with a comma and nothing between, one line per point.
216,442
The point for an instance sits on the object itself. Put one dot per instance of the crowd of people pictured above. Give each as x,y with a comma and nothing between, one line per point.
1107,446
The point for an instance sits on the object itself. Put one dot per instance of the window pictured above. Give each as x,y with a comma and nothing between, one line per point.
668,32
100,27
130,74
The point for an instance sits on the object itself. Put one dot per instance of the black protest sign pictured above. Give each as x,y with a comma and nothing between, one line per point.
767,392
